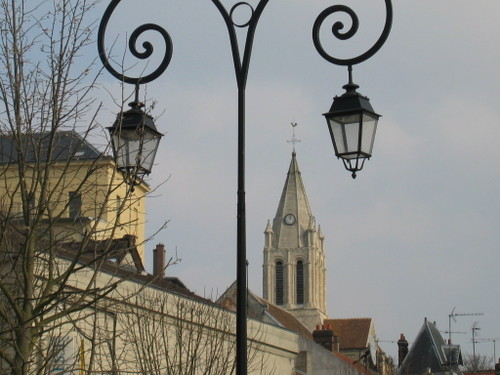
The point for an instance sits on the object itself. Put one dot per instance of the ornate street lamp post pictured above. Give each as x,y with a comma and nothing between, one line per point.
241,65
352,122
134,137
351,119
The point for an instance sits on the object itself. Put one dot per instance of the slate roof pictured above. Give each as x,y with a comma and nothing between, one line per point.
353,333
262,310
113,253
114,250
287,320
65,145
118,249
430,351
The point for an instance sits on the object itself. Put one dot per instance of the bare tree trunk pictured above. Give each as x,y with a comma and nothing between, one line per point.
45,91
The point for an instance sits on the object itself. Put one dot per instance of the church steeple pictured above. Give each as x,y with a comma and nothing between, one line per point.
294,261
293,215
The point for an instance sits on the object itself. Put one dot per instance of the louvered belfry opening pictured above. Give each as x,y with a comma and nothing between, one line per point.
300,283
279,283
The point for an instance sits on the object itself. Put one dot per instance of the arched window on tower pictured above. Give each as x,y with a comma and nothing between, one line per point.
279,282
300,282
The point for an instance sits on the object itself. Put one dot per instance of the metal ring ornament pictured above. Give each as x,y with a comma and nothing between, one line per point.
337,31
147,46
233,8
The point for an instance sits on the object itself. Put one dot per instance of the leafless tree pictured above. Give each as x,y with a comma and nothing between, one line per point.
478,362
46,84
180,336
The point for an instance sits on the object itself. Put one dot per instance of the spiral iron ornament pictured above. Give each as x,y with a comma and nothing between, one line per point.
339,33
146,53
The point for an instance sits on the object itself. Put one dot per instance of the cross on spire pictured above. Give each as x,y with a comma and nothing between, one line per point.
294,139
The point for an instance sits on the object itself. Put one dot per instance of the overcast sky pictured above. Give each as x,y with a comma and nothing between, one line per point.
417,233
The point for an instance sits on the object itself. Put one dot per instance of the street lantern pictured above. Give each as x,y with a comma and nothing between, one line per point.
134,137
135,140
352,123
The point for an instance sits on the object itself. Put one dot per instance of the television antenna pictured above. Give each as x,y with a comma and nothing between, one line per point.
493,340
452,315
474,329
460,332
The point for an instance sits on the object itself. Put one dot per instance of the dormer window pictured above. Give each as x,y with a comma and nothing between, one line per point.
75,204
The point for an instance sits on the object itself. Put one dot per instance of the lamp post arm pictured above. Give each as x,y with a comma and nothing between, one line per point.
145,54
337,32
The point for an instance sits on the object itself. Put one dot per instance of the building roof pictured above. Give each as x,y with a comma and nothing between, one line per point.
430,353
121,258
115,250
260,309
353,333
354,363
63,146
117,257
287,320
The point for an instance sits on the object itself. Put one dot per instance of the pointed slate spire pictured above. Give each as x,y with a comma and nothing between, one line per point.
293,215
294,260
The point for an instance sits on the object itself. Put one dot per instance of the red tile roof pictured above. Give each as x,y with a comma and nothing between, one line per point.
358,366
353,333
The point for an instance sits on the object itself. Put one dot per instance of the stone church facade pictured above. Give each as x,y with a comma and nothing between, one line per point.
294,274
294,279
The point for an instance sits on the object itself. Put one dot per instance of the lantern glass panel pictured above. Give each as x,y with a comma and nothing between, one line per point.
126,144
368,133
345,131
149,147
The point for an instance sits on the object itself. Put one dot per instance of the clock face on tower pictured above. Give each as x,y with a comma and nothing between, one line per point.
289,219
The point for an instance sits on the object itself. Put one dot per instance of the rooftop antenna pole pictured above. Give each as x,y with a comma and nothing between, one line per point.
493,340
452,315
474,329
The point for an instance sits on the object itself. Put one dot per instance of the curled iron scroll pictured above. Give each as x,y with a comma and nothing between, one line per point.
337,31
132,45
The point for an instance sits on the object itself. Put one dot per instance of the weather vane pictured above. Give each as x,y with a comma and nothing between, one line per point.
294,139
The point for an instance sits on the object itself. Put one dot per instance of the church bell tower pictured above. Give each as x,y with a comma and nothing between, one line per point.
294,260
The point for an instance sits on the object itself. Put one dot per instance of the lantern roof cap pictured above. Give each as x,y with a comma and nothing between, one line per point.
135,117
351,101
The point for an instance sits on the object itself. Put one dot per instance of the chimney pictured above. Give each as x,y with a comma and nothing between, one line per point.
159,261
336,343
326,338
402,349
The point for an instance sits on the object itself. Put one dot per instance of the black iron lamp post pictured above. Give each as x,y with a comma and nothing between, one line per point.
352,121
